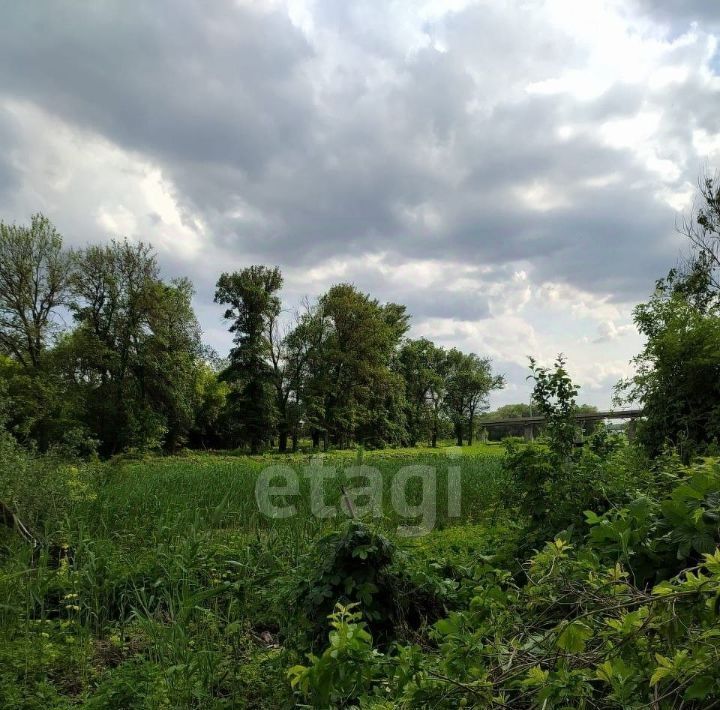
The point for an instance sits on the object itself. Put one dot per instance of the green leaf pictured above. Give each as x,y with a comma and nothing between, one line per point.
574,637
536,677
660,673
700,689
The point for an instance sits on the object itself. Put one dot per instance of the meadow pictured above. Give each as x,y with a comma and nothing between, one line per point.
165,586
587,581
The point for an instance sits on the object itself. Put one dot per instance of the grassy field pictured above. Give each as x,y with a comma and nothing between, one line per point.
168,587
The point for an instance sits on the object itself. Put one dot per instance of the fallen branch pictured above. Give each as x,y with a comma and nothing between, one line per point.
10,520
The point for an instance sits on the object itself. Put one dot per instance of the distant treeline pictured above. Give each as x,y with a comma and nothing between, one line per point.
99,353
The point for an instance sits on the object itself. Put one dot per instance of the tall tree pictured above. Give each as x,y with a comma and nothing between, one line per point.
170,360
421,364
677,374
135,351
34,275
468,383
307,346
356,385
253,305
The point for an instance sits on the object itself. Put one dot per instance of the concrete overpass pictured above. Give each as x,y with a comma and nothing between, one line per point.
529,423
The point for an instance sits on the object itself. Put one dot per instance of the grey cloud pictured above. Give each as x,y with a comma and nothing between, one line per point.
683,11
197,82
293,157
9,173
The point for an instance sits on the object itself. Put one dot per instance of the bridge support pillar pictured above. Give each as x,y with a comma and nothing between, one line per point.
528,432
631,430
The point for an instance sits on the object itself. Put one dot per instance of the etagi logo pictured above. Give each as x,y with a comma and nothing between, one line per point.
362,492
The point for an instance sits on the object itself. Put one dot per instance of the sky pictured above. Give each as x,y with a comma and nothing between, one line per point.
511,170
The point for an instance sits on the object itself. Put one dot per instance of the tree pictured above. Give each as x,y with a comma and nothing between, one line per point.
253,305
308,373
421,364
134,354
677,377
353,382
468,382
554,395
34,275
209,425
701,274
170,361
290,351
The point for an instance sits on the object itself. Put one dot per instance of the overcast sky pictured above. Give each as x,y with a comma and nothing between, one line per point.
511,170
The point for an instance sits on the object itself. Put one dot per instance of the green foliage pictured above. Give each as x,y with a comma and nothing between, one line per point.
354,393
554,395
468,382
253,304
658,538
130,364
173,586
356,566
422,365
344,668
350,567
552,481
677,374
134,685
627,618
176,596
210,426
34,274
131,374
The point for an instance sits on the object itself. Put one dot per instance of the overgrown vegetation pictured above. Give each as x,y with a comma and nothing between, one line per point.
570,573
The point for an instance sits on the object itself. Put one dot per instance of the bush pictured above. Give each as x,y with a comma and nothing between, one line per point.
592,625
359,567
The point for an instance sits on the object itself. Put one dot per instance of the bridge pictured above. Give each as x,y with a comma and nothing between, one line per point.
529,423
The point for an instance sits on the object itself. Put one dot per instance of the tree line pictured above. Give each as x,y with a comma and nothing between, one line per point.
99,353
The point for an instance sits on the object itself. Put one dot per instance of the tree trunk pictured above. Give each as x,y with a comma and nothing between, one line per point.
433,441
326,440
315,439
459,433
471,423
282,440
294,441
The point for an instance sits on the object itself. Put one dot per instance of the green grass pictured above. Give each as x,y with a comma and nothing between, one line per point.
177,591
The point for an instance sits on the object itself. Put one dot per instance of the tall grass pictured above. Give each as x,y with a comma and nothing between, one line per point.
173,585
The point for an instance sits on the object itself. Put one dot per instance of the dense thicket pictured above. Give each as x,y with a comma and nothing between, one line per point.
677,379
99,352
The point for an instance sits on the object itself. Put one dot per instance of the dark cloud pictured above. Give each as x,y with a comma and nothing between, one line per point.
295,150
683,12
185,80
